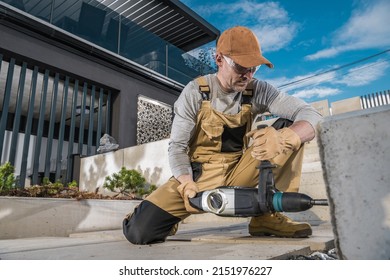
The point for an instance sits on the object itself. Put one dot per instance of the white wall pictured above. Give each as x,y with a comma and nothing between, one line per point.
150,159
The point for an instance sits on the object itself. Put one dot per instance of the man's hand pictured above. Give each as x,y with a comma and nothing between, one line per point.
269,142
187,190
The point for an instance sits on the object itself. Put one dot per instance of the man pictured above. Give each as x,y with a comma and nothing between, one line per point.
209,145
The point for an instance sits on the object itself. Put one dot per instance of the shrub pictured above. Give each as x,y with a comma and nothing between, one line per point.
47,189
128,182
73,185
7,177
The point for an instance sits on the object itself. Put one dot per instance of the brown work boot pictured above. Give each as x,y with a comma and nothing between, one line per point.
279,225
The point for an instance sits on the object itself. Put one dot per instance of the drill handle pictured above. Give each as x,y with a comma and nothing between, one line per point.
266,181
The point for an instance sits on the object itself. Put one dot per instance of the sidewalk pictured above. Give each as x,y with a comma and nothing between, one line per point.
194,241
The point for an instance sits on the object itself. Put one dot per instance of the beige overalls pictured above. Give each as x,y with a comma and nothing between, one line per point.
221,147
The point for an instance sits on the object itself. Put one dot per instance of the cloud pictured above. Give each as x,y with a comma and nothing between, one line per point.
322,85
309,80
368,27
274,38
330,52
357,76
244,10
364,75
271,22
316,92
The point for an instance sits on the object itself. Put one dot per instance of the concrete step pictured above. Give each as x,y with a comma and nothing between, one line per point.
312,152
309,167
311,157
315,216
312,143
312,184
317,191
312,178
312,147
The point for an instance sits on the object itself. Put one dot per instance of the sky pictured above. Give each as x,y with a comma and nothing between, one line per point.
321,49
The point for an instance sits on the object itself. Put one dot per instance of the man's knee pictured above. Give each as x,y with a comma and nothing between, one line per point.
148,224
135,232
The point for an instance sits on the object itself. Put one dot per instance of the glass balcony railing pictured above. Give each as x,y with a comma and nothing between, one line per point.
100,25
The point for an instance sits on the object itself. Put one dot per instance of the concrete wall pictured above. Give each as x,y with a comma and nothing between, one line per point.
355,154
337,107
150,159
322,106
346,105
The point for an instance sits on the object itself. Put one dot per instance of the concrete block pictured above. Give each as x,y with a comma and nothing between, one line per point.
355,153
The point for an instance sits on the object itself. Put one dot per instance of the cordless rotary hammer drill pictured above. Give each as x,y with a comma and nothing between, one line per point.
234,201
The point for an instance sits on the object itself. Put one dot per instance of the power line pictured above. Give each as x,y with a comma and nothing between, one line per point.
346,73
333,69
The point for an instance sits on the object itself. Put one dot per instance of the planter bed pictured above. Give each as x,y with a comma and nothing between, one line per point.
23,217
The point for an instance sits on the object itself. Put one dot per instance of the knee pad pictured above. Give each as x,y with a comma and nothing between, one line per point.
148,224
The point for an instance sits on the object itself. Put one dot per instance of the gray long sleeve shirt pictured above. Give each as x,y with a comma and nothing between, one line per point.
266,98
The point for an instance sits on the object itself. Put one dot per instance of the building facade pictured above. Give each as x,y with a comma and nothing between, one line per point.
72,71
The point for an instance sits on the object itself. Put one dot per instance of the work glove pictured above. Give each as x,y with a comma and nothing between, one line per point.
269,142
188,190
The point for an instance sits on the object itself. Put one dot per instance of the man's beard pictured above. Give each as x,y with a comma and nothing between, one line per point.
240,85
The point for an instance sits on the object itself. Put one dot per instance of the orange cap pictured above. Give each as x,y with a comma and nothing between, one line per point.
240,44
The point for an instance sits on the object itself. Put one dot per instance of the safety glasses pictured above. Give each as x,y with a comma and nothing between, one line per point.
240,69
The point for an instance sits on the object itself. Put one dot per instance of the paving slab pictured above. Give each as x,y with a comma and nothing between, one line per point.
193,241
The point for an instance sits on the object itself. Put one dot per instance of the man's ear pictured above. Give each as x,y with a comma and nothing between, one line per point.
218,59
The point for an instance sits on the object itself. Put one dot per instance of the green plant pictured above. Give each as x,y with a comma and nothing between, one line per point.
73,185
7,177
45,181
47,189
128,182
